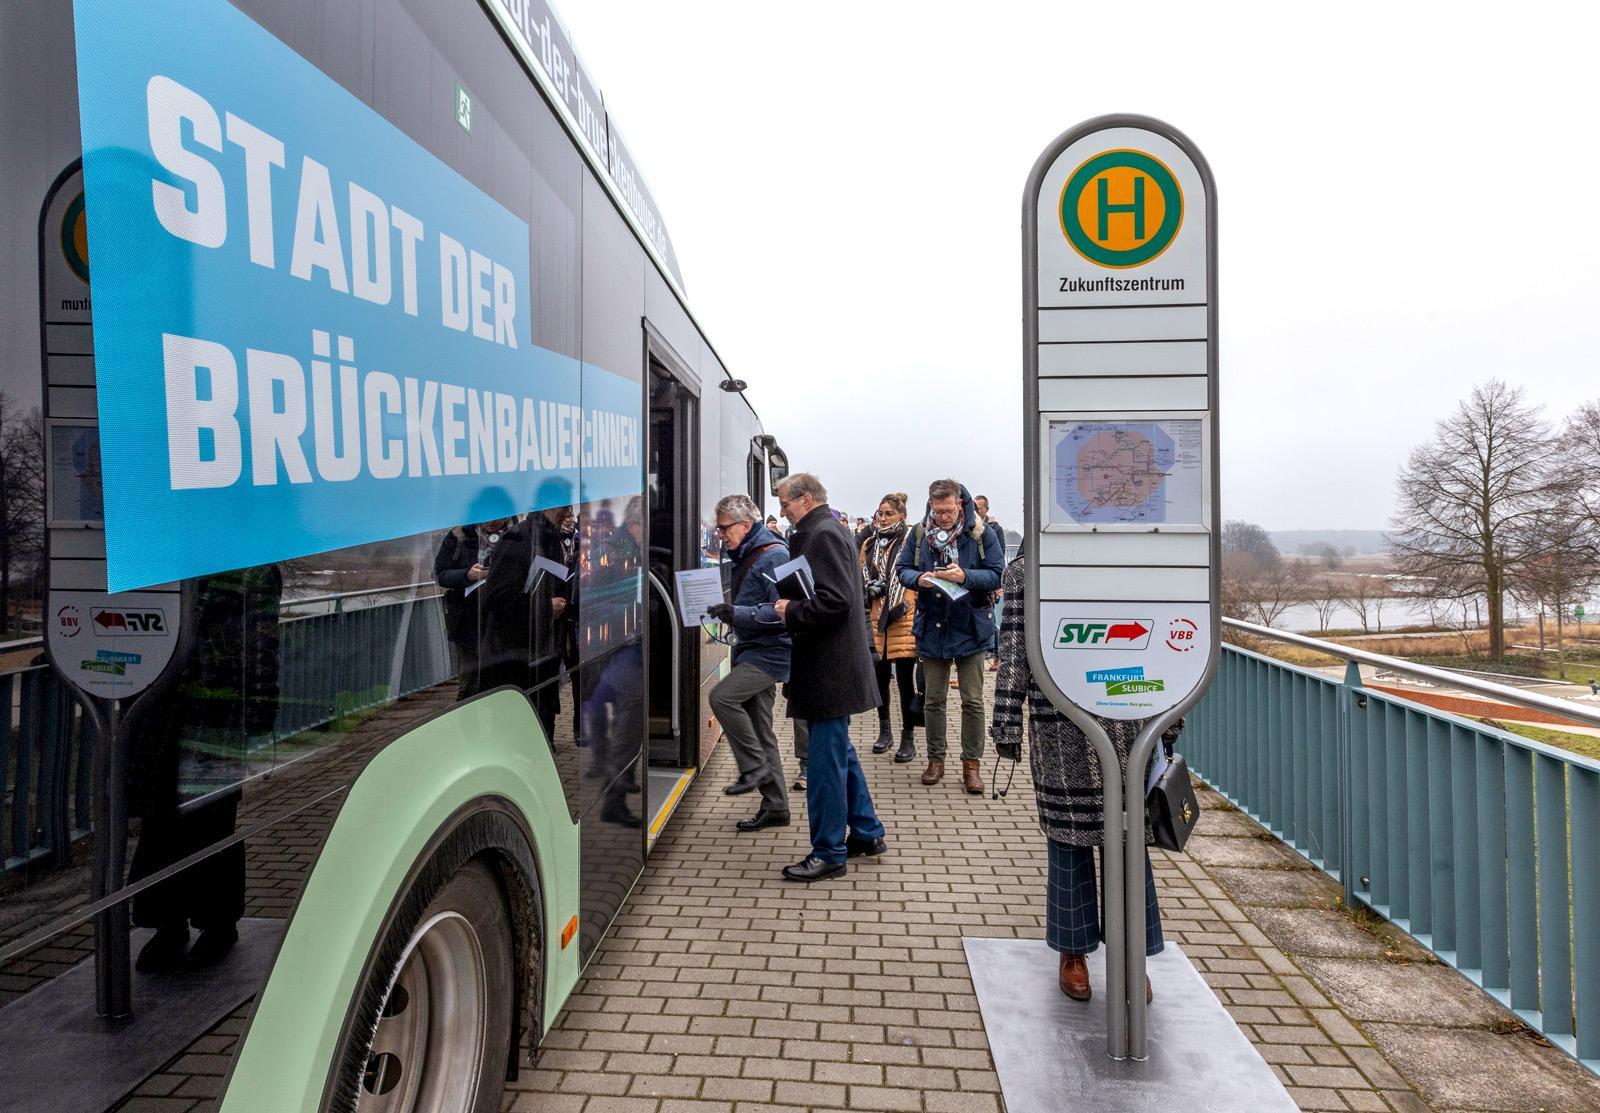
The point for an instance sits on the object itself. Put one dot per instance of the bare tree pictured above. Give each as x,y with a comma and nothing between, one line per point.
1252,541
1257,594
1467,498
1563,565
1324,596
22,510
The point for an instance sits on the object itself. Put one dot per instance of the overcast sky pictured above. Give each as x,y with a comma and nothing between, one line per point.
1406,200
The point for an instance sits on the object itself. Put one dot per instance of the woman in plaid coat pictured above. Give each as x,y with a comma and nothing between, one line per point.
1067,784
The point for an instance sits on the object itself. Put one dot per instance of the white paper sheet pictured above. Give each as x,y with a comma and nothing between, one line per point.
698,590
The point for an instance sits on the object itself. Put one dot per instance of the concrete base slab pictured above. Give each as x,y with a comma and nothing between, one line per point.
53,1032
1423,994
1050,1052
1280,888
1469,1068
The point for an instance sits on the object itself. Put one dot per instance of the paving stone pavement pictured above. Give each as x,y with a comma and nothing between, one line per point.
725,988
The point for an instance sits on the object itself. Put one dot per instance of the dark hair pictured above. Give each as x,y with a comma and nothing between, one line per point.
944,489
896,499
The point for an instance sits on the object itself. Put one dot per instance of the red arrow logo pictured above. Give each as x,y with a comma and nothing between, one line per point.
1130,631
110,619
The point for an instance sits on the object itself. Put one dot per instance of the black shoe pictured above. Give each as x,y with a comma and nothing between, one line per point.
908,747
165,949
212,946
763,818
742,786
813,869
618,815
870,848
885,739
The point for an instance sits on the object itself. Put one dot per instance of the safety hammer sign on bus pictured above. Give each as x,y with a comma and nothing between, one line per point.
1120,397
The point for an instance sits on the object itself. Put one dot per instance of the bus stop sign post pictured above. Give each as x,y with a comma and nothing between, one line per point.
1120,438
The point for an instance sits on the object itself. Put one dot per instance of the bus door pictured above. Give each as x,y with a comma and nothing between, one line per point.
673,530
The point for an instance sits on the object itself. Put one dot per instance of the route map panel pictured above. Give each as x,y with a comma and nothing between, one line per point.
1126,473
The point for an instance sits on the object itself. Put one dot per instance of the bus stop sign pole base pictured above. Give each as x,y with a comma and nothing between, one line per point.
1050,1051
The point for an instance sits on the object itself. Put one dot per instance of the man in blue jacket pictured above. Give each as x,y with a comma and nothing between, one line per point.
954,565
742,700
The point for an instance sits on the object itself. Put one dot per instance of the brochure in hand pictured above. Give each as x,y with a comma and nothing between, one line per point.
794,579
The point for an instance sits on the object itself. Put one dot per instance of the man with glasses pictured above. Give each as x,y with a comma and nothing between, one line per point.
954,563
742,700
831,678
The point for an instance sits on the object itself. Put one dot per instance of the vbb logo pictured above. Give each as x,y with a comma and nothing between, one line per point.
1121,208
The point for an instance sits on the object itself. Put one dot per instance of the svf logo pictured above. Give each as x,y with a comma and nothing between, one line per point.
1121,208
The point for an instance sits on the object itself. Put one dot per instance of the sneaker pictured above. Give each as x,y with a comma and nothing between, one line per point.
800,783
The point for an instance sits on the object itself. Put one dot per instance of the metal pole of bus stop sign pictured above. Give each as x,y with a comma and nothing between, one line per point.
1122,515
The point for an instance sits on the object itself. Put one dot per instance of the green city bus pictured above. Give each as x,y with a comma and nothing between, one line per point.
353,426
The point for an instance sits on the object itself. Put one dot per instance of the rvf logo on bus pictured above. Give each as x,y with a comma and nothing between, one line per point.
1121,208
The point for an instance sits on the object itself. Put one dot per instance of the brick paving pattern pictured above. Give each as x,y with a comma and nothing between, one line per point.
724,989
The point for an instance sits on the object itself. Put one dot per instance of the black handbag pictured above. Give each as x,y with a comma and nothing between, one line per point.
1171,802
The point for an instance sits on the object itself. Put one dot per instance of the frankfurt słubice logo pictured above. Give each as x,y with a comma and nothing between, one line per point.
1121,208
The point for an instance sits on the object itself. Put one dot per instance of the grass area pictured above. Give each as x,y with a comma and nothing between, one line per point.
1582,744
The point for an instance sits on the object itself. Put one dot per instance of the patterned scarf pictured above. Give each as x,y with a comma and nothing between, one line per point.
882,550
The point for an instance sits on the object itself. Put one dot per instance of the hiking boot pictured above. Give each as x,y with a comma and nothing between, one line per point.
969,776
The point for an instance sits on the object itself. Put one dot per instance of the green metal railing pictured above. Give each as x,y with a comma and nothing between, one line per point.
1482,845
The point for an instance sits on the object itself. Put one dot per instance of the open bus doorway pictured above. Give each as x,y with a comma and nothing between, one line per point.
672,526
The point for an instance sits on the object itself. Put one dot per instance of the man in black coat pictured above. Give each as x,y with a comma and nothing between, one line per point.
830,679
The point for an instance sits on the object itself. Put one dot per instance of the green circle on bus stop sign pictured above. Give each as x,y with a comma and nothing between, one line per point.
1109,226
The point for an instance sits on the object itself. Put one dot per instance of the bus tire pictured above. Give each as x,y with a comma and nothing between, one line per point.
440,1001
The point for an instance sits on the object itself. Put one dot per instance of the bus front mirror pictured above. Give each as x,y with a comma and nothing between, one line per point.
777,467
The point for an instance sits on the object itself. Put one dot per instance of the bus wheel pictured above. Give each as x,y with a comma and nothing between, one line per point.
444,1028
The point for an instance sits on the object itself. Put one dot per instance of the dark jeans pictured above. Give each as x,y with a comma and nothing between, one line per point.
836,791
905,678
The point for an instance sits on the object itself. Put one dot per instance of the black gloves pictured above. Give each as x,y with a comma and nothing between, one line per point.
876,588
722,612
1011,751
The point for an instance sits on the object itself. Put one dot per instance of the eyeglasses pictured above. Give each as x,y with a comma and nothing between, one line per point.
886,513
724,528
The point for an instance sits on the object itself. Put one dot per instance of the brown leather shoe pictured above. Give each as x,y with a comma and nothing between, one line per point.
1074,977
969,776
934,773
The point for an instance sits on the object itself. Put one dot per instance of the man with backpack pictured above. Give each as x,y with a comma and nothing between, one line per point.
953,562
742,700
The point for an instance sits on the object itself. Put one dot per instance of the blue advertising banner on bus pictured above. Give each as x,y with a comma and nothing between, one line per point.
309,331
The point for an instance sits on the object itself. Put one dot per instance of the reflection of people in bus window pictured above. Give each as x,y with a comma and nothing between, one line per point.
526,599
460,567
613,713
186,752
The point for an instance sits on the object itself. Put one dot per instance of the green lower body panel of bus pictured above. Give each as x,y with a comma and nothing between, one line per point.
490,747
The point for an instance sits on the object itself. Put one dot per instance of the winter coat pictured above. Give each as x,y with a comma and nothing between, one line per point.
948,629
458,552
522,635
760,637
892,639
830,668
1066,770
